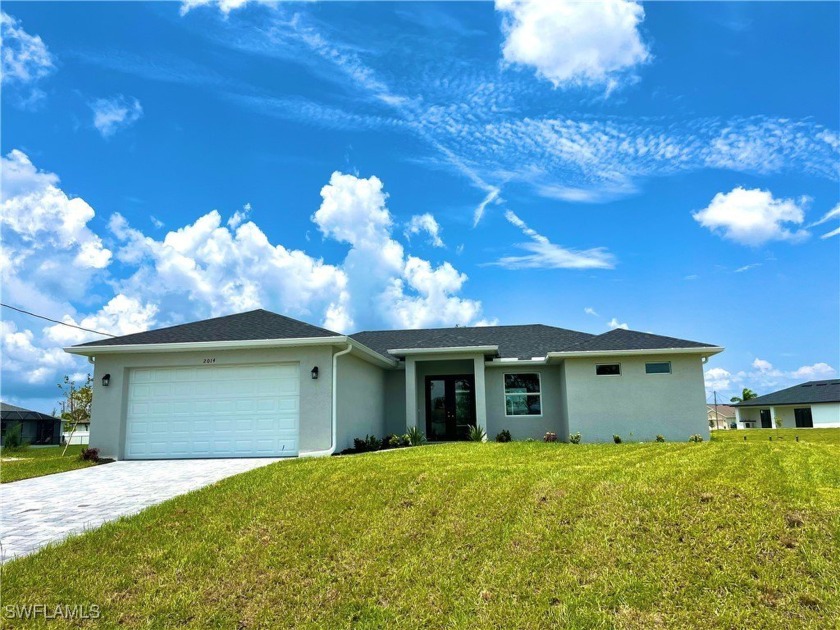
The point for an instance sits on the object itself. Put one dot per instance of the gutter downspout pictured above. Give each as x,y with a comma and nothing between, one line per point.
331,449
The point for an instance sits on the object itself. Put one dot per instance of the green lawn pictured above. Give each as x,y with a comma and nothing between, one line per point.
38,461
711,535
831,436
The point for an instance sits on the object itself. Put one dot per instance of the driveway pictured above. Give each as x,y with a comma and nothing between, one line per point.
47,509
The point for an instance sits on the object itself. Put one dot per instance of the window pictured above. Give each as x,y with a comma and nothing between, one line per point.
663,367
522,395
608,369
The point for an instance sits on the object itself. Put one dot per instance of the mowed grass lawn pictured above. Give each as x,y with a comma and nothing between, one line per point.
38,461
831,436
711,535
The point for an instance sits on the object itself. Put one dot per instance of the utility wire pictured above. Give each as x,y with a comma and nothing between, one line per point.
55,321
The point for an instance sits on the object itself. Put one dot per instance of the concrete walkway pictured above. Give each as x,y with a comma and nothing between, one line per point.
34,512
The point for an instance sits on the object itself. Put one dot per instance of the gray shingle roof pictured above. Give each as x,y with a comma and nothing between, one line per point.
804,394
620,339
13,412
258,324
521,342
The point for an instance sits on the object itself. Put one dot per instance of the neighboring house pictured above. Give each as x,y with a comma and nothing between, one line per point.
720,416
811,404
36,427
261,384
80,436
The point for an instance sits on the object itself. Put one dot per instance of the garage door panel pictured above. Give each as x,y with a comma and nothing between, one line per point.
213,411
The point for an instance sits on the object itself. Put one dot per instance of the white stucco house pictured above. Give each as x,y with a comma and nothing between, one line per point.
262,384
813,404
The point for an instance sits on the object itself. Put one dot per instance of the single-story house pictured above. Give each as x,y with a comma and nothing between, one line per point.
262,384
35,427
811,404
720,416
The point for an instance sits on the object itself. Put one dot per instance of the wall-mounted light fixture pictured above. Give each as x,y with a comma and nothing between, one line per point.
315,373
106,380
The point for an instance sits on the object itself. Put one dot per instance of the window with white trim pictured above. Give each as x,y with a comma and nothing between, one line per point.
523,395
658,367
608,369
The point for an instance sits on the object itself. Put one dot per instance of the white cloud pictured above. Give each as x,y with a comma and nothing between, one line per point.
614,323
754,217
761,365
492,197
546,255
814,372
114,114
26,58
834,213
718,379
747,267
591,311
120,316
425,223
574,43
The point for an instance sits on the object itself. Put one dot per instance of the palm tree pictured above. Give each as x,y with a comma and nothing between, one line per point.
747,394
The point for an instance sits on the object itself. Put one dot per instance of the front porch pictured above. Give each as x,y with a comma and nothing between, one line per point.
774,417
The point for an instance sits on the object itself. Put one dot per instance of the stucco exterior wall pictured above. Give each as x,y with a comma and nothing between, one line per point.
524,427
360,401
826,415
107,428
636,405
395,401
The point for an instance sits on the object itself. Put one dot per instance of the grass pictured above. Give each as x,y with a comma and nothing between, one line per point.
712,535
831,436
38,461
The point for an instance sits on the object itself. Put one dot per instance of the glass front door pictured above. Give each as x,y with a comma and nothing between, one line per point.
450,407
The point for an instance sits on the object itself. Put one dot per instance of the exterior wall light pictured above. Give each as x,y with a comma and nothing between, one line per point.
106,380
315,373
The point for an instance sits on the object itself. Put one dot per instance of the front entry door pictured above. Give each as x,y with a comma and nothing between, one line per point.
450,407
766,419
803,418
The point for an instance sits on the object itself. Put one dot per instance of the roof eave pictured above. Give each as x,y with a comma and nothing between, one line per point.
445,350
138,348
706,351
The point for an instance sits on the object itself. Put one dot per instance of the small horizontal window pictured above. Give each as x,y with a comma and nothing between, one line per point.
522,395
662,367
608,369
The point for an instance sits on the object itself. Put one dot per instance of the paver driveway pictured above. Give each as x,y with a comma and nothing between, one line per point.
34,512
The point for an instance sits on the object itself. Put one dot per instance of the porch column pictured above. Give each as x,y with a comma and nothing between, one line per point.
773,417
410,393
480,394
738,418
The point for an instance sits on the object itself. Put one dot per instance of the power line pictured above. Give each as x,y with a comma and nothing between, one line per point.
55,321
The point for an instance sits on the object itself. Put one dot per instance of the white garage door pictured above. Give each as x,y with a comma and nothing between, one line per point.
213,411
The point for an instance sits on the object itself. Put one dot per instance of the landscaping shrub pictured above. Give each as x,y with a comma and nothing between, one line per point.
476,434
367,444
415,437
617,439
660,438
89,455
696,438
396,441
550,437
13,441
574,438
504,436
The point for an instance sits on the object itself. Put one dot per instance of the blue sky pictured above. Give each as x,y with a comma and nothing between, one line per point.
670,167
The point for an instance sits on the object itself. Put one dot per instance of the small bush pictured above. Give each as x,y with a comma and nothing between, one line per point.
696,438
89,455
660,438
476,434
367,444
574,438
617,439
13,441
504,436
415,437
550,437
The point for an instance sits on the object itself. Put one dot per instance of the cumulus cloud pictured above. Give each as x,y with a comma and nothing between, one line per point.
574,43
591,311
762,377
425,223
546,255
754,217
114,114
25,60
718,379
814,372
614,323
